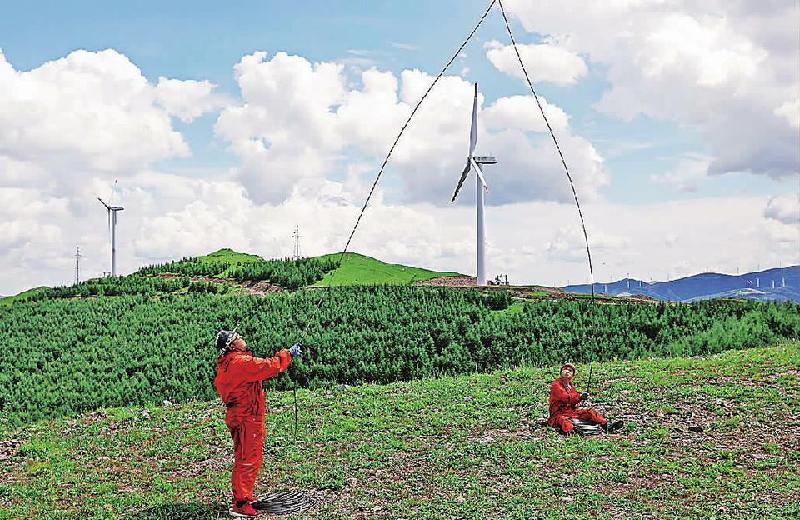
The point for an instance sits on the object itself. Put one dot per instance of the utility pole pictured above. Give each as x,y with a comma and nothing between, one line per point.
296,235
77,265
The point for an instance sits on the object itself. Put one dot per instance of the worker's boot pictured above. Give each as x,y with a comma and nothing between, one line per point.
244,509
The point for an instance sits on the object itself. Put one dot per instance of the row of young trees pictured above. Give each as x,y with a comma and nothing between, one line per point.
288,273
151,280
134,285
67,356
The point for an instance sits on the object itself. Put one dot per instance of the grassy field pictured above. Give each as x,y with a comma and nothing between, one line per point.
462,447
229,255
358,269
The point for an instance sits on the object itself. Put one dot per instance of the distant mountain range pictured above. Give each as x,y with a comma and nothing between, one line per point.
777,284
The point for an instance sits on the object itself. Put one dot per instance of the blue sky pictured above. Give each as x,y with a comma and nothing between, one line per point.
202,40
670,96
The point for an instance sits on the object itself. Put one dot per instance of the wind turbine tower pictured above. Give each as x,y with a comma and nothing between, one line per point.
111,213
481,234
476,163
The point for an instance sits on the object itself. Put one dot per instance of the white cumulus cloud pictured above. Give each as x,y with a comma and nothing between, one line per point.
90,110
545,62
187,99
300,121
784,208
522,113
726,70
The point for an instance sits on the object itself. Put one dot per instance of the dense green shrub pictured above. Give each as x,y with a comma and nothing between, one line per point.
287,273
67,356
133,285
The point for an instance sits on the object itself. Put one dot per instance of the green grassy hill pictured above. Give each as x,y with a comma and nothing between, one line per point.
233,267
358,269
8,300
454,447
230,256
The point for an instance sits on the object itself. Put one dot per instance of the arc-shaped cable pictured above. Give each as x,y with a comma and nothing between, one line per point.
553,136
403,129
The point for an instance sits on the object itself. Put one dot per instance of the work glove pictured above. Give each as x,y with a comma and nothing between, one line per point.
296,350
584,396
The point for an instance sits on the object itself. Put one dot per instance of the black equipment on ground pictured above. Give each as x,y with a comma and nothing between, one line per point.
586,427
283,502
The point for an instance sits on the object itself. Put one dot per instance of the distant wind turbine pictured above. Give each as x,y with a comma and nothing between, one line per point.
111,213
475,163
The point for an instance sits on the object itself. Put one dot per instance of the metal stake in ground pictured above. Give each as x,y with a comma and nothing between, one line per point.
293,369
589,383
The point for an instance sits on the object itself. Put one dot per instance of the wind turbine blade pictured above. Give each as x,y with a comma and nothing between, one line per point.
103,202
113,191
462,179
473,141
473,131
108,214
480,174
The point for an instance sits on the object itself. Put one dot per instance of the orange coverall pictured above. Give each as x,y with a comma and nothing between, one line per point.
238,383
563,406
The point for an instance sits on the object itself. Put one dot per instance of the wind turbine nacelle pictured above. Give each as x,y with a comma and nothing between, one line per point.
485,159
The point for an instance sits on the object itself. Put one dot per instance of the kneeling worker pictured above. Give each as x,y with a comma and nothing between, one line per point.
238,383
564,399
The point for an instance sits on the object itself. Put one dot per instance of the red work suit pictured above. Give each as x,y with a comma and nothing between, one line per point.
238,383
563,406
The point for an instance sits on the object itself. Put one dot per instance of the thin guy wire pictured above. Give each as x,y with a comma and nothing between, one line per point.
552,135
419,103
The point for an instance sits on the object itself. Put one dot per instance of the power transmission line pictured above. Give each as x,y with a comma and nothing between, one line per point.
296,235
77,265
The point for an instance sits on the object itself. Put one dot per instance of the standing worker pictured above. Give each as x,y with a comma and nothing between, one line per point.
238,383
564,399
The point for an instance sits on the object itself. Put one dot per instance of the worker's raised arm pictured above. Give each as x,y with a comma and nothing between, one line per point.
257,369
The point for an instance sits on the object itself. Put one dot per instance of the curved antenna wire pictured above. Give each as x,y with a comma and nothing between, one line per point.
403,129
553,136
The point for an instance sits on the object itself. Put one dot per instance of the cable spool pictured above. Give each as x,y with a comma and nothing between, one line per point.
283,502
585,427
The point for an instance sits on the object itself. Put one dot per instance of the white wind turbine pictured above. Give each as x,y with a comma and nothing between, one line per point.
111,213
474,162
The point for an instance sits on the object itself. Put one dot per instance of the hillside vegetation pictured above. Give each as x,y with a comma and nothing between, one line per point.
455,447
356,269
66,356
225,263
226,270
